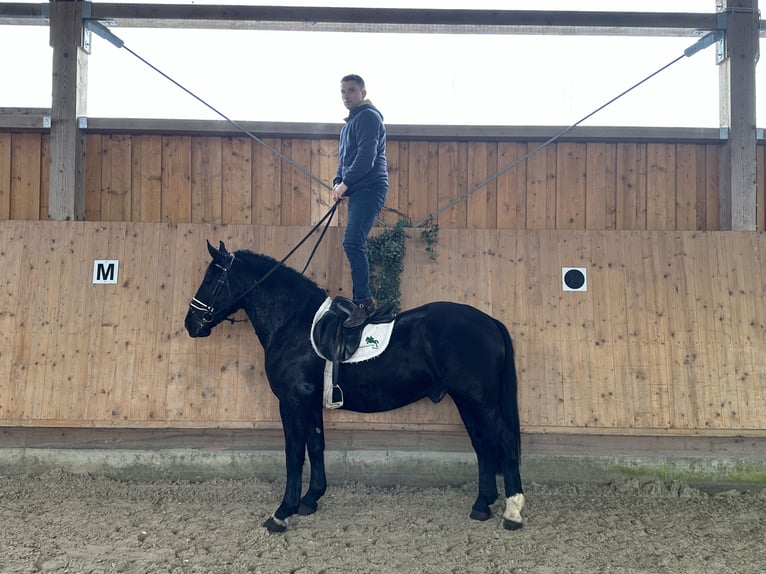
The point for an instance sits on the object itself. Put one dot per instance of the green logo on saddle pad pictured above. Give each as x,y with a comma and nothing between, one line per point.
372,342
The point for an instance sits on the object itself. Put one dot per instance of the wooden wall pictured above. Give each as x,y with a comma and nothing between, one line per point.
212,179
667,339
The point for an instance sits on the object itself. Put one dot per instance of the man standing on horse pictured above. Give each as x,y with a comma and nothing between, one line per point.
362,177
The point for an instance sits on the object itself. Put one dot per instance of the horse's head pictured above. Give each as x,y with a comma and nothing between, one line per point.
214,300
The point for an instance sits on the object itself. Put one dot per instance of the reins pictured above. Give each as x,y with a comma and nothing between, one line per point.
208,309
327,216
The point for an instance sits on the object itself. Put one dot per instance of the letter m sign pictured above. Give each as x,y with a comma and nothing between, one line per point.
105,271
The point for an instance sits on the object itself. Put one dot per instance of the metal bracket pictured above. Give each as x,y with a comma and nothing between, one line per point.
104,32
720,46
704,42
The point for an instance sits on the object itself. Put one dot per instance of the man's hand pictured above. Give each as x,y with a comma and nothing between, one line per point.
339,191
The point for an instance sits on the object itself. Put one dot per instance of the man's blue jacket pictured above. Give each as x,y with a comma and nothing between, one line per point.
362,150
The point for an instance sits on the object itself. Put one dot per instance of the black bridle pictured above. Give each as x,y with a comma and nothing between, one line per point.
208,309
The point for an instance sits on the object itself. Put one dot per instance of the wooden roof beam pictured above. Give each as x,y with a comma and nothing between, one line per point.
382,20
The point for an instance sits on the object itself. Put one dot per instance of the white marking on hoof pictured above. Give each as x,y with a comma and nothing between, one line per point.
279,521
513,507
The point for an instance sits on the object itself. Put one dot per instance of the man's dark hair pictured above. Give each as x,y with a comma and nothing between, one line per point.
354,78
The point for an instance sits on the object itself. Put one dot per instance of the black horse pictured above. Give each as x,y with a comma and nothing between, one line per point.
437,349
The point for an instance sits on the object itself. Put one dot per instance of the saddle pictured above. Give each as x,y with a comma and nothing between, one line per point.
336,343
333,341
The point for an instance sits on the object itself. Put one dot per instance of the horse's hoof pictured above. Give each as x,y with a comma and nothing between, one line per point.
480,515
307,509
275,525
511,525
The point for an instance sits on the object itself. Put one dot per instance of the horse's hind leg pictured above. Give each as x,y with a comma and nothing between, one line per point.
318,481
488,467
487,486
514,501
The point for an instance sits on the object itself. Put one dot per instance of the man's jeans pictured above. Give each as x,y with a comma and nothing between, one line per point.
363,207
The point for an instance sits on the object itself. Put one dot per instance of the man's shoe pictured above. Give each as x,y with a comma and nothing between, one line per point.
360,314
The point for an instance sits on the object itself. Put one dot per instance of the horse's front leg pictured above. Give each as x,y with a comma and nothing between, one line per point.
315,446
294,426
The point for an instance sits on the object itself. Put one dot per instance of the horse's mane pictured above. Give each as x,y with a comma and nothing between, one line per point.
262,264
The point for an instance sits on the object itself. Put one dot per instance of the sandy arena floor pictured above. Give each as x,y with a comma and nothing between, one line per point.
61,522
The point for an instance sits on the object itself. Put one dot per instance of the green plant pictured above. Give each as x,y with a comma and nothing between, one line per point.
386,254
430,235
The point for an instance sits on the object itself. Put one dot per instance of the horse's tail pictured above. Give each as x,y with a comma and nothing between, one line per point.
509,405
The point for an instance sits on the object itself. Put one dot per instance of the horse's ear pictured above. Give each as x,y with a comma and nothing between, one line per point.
217,252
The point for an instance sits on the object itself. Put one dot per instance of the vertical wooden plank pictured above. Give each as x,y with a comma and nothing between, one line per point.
5,176
551,316
324,163
433,178
116,178
600,186
266,207
637,376
402,193
761,187
631,186
660,187
389,214
207,180
64,369
237,177
146,179
296,209
610,334
476,202
541,189
686,186
449,188
45,170
700,188
26,157
570,185
658,269
417,182
512,186
286,178
484,198
176,179
728,311
13,329
712,188
681,330
93,185
579,385
706,368
31,355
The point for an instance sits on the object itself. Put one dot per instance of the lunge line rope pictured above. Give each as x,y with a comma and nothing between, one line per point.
702,43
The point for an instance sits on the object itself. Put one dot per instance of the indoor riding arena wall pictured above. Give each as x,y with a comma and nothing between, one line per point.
665,342
222,179
667,337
